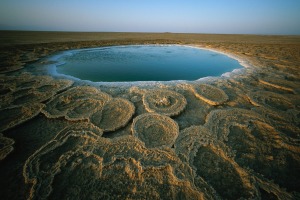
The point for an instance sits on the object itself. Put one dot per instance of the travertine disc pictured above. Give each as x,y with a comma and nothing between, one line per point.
210,94
155,130
164,102
115,114
270,100
76,103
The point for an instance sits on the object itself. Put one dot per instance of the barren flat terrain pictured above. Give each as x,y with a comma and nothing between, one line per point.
230,137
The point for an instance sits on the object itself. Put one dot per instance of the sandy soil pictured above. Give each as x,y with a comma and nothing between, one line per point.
230,137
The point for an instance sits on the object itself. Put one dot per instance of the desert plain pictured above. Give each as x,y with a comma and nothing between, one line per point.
236,136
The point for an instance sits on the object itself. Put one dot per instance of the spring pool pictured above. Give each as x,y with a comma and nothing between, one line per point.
144,63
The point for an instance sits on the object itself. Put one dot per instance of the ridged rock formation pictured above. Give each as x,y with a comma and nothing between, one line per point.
164,102
78,163
279,84
77,103
210,94
257,144
155,130
115,114
28,89
6,146
212,161
13,116
270,100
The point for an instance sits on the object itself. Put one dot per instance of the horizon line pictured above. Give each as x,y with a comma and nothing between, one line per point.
147,32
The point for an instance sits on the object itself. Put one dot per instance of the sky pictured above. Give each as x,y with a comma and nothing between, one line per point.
275,17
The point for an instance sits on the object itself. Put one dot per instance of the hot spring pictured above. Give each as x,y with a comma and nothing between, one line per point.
143,63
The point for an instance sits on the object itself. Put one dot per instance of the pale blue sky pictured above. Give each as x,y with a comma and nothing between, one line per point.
192,16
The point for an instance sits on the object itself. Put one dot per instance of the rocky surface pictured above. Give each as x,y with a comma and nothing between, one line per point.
230,137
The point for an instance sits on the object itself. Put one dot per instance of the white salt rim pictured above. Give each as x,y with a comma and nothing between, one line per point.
51,69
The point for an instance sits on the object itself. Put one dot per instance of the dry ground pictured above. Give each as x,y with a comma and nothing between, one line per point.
234,137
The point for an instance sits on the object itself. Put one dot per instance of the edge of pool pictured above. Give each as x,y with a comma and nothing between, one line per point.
51,69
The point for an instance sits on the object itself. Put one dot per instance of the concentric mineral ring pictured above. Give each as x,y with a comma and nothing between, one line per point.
164,102
155,130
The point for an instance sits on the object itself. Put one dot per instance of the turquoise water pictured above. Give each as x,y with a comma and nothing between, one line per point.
144,63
